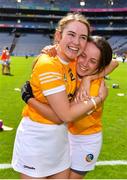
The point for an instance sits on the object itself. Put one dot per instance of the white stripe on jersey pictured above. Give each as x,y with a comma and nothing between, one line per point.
50,80
47,77
50,76
54,90
49,73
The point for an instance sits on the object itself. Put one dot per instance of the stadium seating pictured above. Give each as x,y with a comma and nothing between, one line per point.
27,44
31,44
41,16
118,43
5,40
58,4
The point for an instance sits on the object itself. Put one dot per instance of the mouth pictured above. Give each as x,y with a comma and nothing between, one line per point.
73,49
83,68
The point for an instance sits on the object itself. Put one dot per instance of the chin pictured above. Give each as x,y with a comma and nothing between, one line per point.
80,75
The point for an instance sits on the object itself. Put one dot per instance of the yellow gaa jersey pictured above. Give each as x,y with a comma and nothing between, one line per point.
50,75
91,123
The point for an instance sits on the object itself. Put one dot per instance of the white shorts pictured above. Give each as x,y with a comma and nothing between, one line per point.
40,150
6,63
85,150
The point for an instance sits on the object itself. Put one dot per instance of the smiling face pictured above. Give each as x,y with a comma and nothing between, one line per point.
88,61
72,40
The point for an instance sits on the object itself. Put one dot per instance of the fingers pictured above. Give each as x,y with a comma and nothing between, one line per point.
81,96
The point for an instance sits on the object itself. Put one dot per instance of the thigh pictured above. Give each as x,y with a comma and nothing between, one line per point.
61,175
74,174
3,65
23,176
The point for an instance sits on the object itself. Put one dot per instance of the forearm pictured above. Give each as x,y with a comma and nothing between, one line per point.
84,108
60,106
44,110
70,112
74,111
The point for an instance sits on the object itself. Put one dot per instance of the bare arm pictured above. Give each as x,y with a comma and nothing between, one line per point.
60,105
60,108
47,112
44,110
67,112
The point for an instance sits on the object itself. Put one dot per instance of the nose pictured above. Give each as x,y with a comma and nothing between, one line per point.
85,62
76,40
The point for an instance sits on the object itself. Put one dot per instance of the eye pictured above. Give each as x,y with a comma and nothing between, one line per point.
93,61
71,34
83,55
84,37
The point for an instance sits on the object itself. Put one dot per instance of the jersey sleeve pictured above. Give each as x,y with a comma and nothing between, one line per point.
48,73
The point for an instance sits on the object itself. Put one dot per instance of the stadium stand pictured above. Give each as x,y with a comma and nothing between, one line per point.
38,18
58,4
31,44
119,44
5,40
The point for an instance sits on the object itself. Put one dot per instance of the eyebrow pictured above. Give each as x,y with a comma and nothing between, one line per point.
72,32
81,35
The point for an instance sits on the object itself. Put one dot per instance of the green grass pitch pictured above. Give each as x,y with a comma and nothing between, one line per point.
114,119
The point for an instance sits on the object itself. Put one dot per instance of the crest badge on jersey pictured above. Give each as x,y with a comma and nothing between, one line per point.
89,157
65,78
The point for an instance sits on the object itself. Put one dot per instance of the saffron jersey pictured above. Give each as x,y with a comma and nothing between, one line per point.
50,75
92,123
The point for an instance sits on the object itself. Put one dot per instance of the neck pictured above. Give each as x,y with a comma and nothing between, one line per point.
79,77
62,55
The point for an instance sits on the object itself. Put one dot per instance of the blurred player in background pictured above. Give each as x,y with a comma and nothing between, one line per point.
5,58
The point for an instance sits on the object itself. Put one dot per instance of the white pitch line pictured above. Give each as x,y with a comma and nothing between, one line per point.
5,166
99,163
17,89
111,163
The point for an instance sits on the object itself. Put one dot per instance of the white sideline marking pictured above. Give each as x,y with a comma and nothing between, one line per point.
111,163
17,89
5,166
99,163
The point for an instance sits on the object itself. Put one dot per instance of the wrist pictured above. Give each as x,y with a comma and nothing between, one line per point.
29,100
94,103
98,100
101,99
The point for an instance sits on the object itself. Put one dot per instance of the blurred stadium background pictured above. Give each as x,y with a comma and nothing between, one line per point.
27,26
31,23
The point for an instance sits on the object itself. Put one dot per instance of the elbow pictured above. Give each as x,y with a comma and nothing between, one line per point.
66,118
116,63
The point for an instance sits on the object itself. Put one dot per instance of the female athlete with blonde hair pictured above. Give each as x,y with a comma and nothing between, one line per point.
41,148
